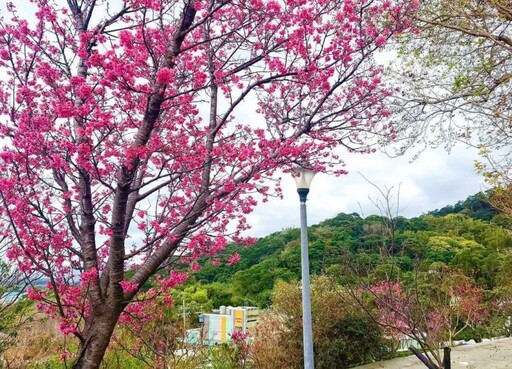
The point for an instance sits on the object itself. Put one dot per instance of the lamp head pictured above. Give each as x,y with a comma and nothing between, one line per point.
303,178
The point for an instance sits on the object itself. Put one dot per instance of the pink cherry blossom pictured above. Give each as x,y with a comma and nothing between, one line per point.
233,259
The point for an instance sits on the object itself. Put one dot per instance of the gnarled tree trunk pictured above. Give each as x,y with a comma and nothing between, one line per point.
96,338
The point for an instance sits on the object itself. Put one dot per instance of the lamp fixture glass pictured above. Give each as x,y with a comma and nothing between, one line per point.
303,177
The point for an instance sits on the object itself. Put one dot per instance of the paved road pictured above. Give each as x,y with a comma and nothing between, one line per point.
496,354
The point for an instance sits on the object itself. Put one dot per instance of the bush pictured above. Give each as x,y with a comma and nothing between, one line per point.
343,336
352,340
474,333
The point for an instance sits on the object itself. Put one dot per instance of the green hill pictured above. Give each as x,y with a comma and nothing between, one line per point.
463,236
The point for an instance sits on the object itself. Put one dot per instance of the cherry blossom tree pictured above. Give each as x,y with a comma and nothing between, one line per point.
402,314
139,133
464,307
435,309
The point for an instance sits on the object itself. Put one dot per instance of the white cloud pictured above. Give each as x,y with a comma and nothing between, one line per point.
434,180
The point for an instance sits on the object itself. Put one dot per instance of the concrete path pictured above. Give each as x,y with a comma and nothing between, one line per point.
496,354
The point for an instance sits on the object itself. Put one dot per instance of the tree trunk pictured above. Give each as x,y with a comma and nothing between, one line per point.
97,334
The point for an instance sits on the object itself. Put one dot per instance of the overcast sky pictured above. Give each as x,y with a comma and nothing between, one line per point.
432,181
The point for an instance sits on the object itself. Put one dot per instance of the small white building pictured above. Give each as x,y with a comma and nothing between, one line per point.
218,326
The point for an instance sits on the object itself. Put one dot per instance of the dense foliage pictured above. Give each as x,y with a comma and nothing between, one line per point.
469,237
343,336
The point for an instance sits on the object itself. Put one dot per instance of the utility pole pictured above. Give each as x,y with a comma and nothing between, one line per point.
184,313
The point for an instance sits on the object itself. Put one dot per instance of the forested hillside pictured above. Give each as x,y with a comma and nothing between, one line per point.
469,236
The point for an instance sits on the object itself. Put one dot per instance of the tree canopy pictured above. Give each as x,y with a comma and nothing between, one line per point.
456,74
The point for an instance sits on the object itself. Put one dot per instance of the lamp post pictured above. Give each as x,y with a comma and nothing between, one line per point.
303,178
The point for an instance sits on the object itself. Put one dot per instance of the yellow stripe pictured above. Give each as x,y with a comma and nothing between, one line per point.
239,318
223,329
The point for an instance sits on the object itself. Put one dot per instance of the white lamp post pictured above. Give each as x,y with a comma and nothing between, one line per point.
303,178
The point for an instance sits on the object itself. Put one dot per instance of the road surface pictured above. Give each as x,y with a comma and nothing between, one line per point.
495,354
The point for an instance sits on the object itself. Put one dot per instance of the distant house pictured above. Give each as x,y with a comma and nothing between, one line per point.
217,327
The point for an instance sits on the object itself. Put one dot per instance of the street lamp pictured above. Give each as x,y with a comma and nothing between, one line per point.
303,178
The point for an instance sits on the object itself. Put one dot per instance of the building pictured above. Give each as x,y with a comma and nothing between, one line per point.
218,326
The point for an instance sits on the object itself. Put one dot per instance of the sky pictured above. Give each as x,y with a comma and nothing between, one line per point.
436,179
